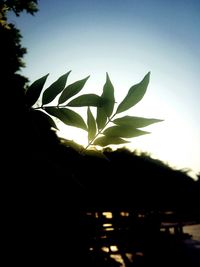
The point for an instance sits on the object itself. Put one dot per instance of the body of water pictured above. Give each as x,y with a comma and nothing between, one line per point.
193,230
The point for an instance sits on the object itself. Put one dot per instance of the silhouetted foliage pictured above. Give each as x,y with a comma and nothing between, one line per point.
17,6
11,54
99,132
11,50
51,186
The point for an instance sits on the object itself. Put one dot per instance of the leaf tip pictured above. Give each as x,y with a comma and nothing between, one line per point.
158,120
107,76
68,72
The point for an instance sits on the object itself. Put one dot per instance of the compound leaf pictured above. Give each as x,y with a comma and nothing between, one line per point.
34,90
137,122
123,131
72,90
67,116
86,100
54,89
92,129
135,94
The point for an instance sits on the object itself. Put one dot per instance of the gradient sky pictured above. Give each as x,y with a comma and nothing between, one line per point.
126,38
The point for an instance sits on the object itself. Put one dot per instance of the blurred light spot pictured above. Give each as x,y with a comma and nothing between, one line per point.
113,248
109,229
124,214
107,225
105,249
141,215
108,215
118,258
129,256
139,253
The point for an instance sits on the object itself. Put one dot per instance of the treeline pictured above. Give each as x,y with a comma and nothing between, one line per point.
124,179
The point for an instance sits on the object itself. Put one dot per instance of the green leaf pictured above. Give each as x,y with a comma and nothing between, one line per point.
108,140
108,99
86,100
54,89
92,129
45,117
34,90
67,116
135,94
137,122
101,117
72,90
123,131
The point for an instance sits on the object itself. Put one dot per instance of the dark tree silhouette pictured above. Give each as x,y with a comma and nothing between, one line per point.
34,194
27,133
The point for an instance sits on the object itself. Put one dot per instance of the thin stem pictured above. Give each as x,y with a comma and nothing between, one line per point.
99,132
38,107
43,107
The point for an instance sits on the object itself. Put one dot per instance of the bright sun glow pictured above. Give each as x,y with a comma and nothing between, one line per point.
71,133
90,39
166,140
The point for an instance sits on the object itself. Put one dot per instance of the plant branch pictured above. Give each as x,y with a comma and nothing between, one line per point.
43,107
99,132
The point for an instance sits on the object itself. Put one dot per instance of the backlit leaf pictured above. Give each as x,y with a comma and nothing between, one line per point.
109,140
101,117
92,129
54,89
135,94
34,90
40,115
108,99
86,100
72,90
123,131
67,116
137,122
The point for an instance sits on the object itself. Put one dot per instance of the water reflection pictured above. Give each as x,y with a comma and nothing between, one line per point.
118,258
110,229
106,225
131,237
124,213
107,214
113,248
105,249
193,230
113,236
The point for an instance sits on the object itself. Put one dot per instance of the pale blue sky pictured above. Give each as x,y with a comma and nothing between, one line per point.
127,38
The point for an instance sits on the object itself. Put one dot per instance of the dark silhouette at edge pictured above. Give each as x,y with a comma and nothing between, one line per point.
49,188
